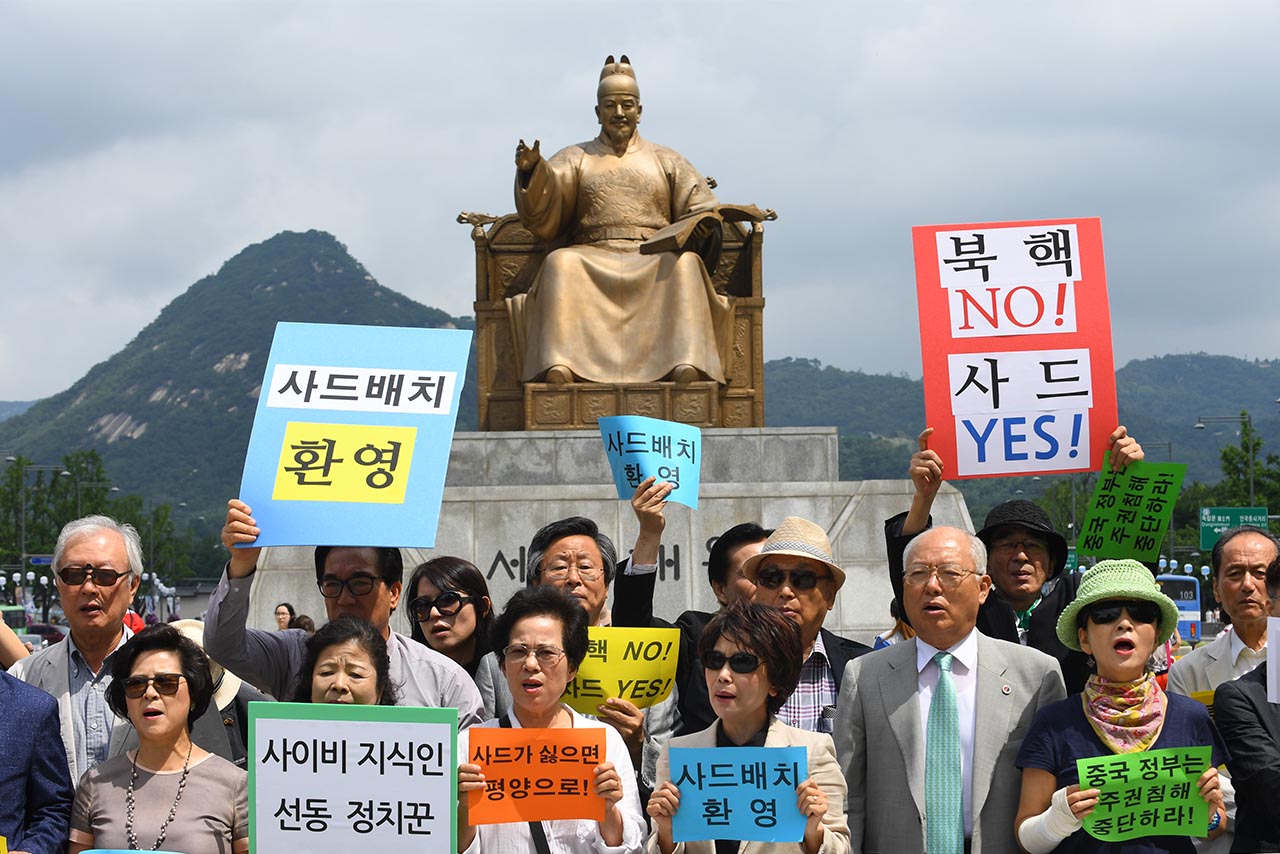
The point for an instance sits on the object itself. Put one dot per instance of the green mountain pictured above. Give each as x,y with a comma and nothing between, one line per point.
10,408
171,412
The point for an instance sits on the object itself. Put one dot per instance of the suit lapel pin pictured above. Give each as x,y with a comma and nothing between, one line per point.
1006,690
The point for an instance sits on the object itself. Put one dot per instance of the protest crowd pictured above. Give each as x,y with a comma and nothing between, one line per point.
999,716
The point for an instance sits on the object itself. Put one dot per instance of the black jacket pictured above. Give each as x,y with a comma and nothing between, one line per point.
1251,728
996,617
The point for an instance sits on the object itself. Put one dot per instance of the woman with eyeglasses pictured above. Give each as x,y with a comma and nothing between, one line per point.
346,662
1118,618
168,795
540,639
751,656
450,610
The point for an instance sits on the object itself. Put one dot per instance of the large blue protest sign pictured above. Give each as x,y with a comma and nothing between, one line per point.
639,447
352,434
745,793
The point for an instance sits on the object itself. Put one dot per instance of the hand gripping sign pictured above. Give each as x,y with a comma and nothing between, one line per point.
1015,334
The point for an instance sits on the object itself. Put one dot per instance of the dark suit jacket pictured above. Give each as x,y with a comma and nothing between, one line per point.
997,619
1251,727
633,606
35,784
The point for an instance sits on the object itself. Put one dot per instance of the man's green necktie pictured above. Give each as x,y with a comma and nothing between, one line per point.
943,784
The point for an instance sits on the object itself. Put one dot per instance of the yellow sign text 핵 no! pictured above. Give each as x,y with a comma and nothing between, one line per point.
366,463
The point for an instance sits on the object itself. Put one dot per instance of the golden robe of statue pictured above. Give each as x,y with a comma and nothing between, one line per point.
598,307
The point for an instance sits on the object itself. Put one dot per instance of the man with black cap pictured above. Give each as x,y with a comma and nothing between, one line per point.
355,582
1026,559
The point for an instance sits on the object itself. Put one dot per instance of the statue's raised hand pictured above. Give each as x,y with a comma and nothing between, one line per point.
526,157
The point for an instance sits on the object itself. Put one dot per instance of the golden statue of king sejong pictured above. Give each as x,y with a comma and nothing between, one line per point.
605,307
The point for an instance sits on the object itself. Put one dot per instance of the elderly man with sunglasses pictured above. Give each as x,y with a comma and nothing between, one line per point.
97,566
796,572
355,582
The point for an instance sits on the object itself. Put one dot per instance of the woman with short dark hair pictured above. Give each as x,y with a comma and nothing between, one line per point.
346,662
751,655
169,793
540,640
450,610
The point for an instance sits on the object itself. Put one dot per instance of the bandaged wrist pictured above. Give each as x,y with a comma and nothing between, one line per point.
1042,833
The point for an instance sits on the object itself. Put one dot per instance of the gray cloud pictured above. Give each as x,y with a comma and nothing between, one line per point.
147,142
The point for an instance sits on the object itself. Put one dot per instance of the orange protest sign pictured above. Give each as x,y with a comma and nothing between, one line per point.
535,774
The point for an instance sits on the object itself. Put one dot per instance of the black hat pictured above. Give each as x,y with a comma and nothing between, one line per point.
1029,515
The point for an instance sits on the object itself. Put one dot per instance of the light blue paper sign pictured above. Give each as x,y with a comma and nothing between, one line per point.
639,447
743,793
351,438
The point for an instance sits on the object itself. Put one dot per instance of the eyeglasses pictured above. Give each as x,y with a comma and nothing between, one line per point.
1025,546
447,603
519,653
359,585
1140,611
560,573
74,576
949,575
739,662
796,579
166,683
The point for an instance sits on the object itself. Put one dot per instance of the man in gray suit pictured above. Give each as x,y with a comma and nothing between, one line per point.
947,708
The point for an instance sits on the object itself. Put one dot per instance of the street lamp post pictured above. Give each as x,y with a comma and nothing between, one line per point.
1246,426
22,472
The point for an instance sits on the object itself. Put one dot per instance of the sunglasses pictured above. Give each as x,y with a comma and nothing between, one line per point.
447,603
359,585
166,683
74,576
1140,611
739,662
798,579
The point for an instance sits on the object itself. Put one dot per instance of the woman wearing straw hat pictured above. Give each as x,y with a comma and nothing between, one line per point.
1118,618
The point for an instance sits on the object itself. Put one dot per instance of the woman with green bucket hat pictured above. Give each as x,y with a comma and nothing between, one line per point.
1118,618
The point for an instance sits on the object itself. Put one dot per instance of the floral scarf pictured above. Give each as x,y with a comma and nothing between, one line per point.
1127,716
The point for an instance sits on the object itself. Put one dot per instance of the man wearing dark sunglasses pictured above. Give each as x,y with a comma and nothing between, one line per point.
795,571
97,564
1026,558
361,582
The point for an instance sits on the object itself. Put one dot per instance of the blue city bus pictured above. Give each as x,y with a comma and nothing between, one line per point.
1184,590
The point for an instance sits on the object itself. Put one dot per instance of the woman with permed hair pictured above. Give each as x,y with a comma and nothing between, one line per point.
169,793
346,661
751,656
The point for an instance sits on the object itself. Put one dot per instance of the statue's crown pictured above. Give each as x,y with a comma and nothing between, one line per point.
617,76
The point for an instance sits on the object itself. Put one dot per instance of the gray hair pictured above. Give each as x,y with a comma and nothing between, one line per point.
92,524
977,549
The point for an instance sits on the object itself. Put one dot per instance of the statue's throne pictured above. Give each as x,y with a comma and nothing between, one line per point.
507,260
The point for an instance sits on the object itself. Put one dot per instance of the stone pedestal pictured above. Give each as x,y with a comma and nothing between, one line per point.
502,487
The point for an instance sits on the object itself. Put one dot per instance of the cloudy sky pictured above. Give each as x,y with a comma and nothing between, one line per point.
144,143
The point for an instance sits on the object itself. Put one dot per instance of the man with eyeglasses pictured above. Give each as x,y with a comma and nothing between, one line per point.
925,727
97,567
361,582
1026,559
574,555
1239,561
796,572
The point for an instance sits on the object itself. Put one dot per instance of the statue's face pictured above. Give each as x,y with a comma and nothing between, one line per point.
619,113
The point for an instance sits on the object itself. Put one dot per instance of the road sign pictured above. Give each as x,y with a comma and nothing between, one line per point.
40,560
1215,520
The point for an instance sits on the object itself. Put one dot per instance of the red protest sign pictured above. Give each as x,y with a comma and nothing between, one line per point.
535,774
1015,334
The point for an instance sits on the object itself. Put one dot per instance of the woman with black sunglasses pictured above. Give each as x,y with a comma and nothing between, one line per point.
450,610
169,794
751,655
1118,618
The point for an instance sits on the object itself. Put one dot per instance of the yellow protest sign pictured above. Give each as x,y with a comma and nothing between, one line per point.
367,463
638,665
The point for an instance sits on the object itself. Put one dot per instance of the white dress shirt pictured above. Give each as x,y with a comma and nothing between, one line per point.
965,676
